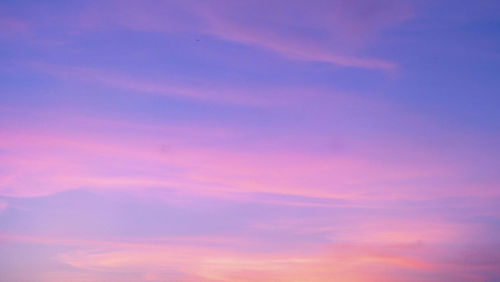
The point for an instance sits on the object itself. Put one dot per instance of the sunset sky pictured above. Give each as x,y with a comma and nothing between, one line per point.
249,140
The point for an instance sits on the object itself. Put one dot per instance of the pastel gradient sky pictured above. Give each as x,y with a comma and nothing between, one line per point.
249,140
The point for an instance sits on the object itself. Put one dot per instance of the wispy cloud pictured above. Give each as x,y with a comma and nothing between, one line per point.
68,161
194,89
335,21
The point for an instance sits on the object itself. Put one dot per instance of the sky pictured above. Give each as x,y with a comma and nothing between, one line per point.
249,140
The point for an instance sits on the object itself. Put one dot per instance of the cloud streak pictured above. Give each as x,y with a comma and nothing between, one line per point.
336,20
67,161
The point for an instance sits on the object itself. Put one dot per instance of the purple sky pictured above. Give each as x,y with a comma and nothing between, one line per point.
221,140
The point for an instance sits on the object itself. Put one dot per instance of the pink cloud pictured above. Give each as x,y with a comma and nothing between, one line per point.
293,48
344,26
42,161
